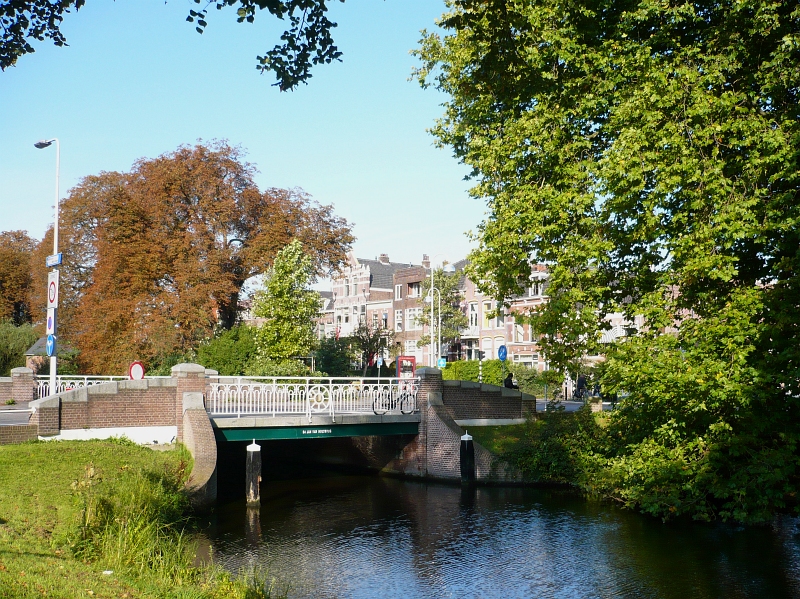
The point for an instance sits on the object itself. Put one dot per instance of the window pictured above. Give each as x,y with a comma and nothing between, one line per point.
487,322
414,290
519,333
473,316
398,292
398,320
498,341
486,348
374,320
385,320
501,320
411,348
412,319
346,287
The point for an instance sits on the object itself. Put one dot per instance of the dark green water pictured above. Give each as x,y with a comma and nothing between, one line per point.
365,537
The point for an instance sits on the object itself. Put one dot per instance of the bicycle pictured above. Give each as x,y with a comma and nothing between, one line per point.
387,403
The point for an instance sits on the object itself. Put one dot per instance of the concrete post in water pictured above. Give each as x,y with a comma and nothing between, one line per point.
253,474
467,459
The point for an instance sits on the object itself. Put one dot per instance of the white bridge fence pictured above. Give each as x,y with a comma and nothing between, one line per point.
69,382
278,396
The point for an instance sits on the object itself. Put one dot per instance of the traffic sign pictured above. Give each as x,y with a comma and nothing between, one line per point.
53,260
441,362
502,353
380,362
136,371
52,289
51,321
50,345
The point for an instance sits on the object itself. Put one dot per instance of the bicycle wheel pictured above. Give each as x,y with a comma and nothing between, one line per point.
406,403
380,406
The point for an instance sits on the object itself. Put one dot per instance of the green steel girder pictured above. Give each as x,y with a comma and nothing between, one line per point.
317,431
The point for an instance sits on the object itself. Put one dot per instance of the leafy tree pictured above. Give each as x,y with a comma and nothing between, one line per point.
289,307
370,342
306,42
15,276
14,342
229,352
335,356
648,153
453,319
155,259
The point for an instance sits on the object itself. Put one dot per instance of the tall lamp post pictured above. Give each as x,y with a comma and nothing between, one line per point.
438,326
449,269
51,326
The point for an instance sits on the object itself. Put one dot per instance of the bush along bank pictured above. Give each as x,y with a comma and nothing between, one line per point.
103,519
660,476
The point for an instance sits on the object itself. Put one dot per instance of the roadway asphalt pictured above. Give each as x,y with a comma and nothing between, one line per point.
16,414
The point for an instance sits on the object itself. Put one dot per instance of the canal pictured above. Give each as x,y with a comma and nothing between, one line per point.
328,534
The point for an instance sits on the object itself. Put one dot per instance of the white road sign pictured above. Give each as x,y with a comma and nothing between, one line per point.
52,289
51,321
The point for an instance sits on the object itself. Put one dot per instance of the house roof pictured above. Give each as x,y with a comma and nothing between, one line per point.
382,273
39,348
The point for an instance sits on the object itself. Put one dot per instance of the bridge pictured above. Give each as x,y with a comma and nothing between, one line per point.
409,427
264,408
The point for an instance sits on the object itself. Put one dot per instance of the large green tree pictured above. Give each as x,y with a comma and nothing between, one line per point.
289,308
452,319
647,151
306,42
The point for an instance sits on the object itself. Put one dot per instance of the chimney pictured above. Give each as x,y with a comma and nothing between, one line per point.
426,262
383,258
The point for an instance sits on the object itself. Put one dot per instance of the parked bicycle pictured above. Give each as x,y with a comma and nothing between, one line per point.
387,403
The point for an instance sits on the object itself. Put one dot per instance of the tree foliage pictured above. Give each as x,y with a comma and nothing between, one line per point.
306,42
14,342
648,153
229,352
335,356
453,319
16,280
155,259
289,307
370,342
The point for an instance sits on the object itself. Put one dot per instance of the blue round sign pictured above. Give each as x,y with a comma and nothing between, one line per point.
502,353
50,345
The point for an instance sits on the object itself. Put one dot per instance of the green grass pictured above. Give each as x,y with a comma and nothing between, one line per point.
500,440
102,519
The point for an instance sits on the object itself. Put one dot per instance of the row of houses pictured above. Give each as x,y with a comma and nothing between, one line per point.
389,295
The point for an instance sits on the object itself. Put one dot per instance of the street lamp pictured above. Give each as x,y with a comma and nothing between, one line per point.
40,145
448,268
439,324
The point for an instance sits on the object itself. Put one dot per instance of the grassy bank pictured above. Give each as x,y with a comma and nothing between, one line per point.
101,519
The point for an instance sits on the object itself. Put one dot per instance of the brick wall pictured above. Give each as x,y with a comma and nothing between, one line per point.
5,389
198,436
23,384
465,400
18,433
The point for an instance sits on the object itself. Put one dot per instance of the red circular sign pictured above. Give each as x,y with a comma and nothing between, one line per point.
51,292
136,371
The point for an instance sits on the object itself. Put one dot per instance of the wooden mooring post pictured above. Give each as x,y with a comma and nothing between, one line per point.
253,474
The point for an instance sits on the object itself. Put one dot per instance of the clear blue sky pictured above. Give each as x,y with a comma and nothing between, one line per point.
138,81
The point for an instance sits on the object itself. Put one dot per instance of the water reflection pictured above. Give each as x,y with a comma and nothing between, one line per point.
351,536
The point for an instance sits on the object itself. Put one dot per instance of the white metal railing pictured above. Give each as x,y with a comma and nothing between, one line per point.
274,396
69,382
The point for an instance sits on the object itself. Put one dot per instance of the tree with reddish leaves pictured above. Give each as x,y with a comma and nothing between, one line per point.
155,259
15,276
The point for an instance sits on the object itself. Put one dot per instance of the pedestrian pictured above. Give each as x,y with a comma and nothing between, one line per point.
508,383
582,390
